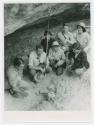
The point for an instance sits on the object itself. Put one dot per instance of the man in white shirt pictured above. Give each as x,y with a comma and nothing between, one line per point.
57,58
66,38
38,62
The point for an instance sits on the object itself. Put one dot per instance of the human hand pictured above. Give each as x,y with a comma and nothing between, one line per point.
69,67
59,63
42,69
22,88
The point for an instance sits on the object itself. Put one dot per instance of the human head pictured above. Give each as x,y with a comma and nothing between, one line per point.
76,47
55,45
18,63
65,28
81,27
39,49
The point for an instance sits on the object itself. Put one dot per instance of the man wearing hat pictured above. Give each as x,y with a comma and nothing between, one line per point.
80,62
82,36
57,58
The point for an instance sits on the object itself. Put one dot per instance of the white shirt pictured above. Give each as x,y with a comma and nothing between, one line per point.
66,39
83,39
35,60
59,55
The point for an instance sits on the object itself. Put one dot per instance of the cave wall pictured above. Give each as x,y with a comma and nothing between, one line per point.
19,15
24,39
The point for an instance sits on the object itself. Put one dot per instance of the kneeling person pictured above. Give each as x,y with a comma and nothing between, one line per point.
57,58
80,63
37,63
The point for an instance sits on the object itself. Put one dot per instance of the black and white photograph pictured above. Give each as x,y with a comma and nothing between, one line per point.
47,60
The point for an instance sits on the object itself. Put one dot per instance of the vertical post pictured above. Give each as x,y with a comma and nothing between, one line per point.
48,27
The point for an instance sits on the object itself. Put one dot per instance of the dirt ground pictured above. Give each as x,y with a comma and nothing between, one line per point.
73,93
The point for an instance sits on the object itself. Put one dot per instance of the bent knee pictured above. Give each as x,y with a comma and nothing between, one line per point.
49,69
32,71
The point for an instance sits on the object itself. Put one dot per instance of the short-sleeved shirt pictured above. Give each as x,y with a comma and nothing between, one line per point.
59,55
35,60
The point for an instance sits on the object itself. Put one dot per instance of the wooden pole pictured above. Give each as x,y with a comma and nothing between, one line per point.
48,27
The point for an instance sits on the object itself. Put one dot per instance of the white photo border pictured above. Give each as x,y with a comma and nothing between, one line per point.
27,117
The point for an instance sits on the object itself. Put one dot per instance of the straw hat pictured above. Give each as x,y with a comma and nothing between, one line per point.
76,46
82,25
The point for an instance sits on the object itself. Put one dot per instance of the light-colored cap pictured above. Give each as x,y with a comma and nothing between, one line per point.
82,24
55,43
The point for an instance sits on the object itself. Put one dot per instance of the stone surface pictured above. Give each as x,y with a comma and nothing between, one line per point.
19,15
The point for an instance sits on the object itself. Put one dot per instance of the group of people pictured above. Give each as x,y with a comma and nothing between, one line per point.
54,54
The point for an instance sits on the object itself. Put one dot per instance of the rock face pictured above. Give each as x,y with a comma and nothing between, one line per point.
19,15
25,24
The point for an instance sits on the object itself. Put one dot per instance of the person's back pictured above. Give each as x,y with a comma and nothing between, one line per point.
15,78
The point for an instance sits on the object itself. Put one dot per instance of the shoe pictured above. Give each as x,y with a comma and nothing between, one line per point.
13,93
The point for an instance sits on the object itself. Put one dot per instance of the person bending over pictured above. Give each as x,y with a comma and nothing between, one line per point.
56,58
15,78
38,62
78,62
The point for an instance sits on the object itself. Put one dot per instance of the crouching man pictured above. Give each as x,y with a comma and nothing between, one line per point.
38,63
56,58
79,63
15,78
